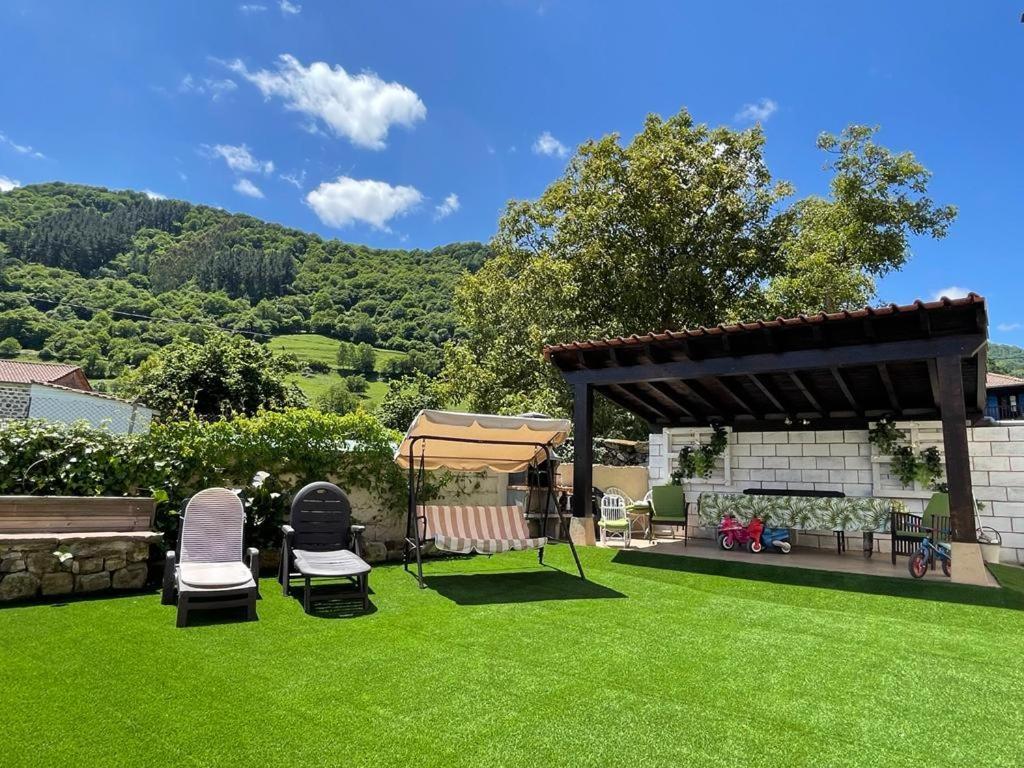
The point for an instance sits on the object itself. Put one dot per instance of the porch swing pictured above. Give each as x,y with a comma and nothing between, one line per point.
472,442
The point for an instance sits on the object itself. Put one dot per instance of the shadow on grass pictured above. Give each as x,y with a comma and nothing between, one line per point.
1011,596
517,587
337,607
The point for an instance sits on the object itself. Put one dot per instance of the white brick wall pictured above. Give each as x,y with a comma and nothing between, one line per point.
845,460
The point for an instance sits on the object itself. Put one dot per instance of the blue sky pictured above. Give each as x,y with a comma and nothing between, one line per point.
411,124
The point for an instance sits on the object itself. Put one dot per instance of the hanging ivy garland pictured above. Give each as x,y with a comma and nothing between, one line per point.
699,460
909,467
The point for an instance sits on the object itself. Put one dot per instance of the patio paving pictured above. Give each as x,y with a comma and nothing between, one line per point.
853,561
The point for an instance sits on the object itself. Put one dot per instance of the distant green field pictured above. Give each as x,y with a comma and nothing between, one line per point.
309,347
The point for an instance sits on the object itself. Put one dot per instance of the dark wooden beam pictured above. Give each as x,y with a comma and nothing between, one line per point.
933,381
731,390
805,390
583,449
844,387
672,395
805,359
982,393
772,396
631,403
890,390
954,441
634,393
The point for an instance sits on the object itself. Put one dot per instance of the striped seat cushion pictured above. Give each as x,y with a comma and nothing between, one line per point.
487,530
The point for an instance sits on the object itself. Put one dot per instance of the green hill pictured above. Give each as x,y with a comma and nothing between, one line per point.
103,278
1006,358
312,347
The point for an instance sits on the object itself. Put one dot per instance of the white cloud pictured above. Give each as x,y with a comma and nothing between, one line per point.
153,195
359,107
950,292
239,159
447,207
207,85
247,188
252,8
346,200
289,9
7,184
1002,327
297,180
21,149
546,144
758,112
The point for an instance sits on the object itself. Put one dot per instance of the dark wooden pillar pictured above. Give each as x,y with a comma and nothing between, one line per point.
583,449
954,440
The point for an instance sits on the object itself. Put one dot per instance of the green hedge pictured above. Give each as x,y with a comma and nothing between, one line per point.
175,460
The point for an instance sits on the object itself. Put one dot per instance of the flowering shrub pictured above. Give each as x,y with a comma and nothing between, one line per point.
176,459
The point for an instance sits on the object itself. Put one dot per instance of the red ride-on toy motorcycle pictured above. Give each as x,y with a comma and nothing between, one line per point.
732,533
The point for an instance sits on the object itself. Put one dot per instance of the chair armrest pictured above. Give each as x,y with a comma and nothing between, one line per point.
287,530
254,562
170,561
357,539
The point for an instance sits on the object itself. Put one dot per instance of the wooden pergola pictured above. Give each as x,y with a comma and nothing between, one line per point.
922,361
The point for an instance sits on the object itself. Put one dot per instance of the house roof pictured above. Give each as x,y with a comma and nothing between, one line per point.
91,393
826,370
1000,380
16,372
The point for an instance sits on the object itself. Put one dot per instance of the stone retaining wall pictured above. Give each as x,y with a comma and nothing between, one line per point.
32,564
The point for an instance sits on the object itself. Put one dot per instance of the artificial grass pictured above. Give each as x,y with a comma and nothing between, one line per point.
654,661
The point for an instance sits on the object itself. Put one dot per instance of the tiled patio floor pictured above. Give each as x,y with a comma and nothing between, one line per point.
852,561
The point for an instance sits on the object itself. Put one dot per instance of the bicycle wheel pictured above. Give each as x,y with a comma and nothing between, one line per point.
918,565
947,567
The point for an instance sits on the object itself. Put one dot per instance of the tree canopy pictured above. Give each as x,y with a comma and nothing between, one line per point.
683,226
225,376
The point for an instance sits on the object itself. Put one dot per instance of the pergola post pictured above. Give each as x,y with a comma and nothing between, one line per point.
968,565
954,440
583,448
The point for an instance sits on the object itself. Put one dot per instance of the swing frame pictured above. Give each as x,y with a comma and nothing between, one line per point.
416,523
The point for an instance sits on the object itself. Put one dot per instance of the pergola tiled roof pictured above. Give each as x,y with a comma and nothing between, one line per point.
839,369
924,360
1002,380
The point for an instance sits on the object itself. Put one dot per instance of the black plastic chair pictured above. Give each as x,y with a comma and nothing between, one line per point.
321,543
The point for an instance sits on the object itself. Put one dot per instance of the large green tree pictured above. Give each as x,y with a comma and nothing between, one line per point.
681,227
227,375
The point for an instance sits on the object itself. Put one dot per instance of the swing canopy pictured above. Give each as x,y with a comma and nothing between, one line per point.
472,442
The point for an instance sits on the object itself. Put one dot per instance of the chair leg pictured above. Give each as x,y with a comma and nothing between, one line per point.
540,555
182,619
366,591
306,596
250,609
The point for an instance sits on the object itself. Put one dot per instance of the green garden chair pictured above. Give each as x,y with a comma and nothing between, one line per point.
668,508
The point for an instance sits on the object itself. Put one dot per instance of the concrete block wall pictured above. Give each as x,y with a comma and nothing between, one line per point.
845,460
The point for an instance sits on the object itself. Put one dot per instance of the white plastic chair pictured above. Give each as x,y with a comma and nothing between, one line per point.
614,521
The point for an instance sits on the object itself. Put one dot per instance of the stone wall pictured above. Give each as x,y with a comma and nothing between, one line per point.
385,528
37,564
845,460
14,401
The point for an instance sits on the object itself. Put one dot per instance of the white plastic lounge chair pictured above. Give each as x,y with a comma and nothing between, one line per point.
207,571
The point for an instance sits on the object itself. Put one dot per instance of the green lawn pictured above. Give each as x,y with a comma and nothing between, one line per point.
656,661
312,346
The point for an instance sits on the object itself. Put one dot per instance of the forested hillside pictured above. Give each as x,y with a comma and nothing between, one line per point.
1006,358
82,269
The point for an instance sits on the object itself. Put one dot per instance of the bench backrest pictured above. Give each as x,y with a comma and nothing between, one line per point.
493,523
321,516
73,514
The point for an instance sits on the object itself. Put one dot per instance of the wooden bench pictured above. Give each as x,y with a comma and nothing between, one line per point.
73,514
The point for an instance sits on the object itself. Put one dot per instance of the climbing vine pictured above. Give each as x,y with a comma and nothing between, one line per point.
699,460
909,466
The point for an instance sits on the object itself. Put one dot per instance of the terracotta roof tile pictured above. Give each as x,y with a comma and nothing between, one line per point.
16,372
821,317
997,380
